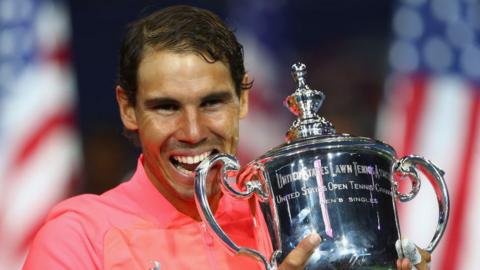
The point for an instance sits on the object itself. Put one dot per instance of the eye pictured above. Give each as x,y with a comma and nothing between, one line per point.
212,103
162,105
167,107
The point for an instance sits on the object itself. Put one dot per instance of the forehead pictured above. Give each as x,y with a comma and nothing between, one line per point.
165,73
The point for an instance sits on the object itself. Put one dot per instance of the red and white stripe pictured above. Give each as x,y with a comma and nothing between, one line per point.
438,118
40,146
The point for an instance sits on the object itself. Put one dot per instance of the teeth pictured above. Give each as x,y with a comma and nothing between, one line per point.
185,171
192,159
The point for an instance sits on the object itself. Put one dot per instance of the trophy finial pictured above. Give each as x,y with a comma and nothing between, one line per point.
305,103
299,70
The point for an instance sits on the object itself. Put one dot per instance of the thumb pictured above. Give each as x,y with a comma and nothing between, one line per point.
298,257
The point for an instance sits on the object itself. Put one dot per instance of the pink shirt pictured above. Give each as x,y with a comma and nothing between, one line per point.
134,227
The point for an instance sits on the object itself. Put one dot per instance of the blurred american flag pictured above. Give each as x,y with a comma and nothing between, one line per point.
40,151
432,108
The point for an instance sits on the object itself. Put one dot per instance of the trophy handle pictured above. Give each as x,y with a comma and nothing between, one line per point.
408,166
229,165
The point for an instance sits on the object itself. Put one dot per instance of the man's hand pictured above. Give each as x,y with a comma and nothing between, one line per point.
298,257
415,258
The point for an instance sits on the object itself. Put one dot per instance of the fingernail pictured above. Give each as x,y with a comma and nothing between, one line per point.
314,239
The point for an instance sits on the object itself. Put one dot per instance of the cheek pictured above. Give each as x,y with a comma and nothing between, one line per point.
226,126
153,134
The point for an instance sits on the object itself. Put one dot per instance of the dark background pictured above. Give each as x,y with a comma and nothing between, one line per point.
343,42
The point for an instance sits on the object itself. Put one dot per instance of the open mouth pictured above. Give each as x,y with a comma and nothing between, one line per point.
188,164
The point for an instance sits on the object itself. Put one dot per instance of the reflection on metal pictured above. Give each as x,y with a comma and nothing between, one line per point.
322,199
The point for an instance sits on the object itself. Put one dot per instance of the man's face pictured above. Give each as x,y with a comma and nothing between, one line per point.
186,110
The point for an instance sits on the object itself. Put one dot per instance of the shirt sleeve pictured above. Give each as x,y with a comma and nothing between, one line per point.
62,243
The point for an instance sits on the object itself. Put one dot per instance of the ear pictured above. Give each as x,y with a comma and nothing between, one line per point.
127,110
244,99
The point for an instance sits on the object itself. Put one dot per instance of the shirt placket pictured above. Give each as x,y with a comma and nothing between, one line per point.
208,242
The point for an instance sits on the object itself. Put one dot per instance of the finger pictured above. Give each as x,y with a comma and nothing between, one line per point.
426,257
404,264
298,257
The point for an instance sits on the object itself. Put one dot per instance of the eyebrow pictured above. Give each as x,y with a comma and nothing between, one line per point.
153,102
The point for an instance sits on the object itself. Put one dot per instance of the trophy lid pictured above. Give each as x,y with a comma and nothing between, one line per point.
310,130
305,104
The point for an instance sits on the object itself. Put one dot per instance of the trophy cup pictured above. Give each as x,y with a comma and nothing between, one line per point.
341,186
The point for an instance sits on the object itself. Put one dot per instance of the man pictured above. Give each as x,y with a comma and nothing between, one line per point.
181,91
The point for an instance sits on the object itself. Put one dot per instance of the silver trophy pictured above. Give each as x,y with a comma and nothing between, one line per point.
340,186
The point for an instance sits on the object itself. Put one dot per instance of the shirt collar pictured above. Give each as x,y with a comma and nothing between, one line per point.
151,200
157,207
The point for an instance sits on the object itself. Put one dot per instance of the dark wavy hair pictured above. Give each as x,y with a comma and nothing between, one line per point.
180,29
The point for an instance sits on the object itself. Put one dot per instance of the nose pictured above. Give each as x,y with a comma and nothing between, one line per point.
191,128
